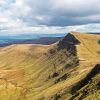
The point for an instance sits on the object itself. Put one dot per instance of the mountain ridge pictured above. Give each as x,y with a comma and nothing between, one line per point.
51,72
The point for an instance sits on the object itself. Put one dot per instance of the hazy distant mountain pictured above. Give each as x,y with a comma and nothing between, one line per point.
30,39
96,33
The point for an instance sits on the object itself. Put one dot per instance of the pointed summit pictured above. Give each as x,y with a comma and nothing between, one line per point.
68,41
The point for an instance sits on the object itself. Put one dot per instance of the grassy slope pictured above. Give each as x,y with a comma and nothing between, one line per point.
88,53
49,72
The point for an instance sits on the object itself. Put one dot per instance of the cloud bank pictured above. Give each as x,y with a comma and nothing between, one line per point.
49,15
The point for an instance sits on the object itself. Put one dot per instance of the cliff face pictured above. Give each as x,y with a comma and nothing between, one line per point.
66,70
69,42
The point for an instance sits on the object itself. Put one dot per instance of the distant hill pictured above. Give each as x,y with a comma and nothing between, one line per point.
68,69
96,33
42,40
45,39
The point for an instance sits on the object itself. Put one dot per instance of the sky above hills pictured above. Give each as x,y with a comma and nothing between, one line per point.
49,16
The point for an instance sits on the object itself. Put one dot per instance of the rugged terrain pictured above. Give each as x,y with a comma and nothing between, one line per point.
66,70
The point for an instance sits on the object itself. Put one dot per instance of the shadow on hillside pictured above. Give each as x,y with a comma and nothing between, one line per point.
85,81
69,42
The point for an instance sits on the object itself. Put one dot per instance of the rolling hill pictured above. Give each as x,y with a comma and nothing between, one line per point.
66,70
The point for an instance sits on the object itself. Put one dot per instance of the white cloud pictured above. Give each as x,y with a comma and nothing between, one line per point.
53,29
2,2
49,15
7,23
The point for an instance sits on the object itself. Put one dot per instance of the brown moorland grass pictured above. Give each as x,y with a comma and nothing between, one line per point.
49,72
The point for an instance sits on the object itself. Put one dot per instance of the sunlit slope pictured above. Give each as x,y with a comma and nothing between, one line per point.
88,53
16,54
89,48
49,72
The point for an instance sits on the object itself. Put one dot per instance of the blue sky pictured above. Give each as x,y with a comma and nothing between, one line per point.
49,16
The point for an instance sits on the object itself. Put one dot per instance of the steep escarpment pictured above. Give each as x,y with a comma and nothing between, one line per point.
69,42
88,85
61,71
